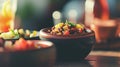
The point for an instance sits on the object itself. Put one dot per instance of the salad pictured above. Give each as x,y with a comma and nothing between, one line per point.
17,33
21,45
68,28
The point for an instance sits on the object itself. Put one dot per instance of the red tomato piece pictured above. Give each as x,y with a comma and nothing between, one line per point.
21,43
17,47
30,44
80,30
66,33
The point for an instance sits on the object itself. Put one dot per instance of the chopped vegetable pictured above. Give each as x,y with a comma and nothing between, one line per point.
67,28
17,33
22,45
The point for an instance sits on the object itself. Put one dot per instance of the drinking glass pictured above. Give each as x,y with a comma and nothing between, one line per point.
7,14
104,29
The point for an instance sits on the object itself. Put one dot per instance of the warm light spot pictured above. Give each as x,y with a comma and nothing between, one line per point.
72,13
56,15
89,14
89,5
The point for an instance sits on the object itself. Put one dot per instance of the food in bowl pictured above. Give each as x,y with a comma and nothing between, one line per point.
68,28
22,45
27,53
71,46
17,33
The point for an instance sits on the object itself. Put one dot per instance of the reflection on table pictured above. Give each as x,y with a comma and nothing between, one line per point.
93,61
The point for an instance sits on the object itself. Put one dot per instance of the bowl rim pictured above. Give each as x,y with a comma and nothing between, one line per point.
30,50
43,33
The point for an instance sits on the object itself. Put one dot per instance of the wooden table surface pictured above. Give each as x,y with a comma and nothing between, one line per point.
93,61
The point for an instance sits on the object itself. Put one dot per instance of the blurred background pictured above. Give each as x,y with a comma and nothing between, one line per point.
38,14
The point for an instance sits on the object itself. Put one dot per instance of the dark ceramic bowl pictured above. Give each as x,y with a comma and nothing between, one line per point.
72,47
42,57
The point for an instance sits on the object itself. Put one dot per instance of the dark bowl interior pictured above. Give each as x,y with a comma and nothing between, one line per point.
70,48
42,57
